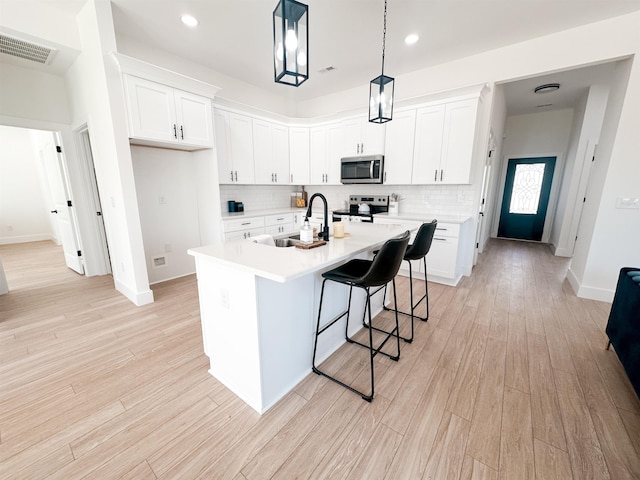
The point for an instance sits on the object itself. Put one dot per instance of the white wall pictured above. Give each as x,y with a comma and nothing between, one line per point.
98,100
168,206
24,211
608,236
584,137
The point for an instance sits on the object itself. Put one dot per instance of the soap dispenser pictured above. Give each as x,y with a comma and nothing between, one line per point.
306,233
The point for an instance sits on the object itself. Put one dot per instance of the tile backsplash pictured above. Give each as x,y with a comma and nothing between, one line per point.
435,199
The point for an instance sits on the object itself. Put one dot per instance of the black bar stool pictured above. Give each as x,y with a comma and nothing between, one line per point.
416,251
365,274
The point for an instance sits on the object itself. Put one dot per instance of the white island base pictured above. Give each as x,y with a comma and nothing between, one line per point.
259,306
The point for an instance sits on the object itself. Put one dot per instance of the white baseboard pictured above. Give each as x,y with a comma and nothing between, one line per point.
562,252
36,237
585,291
138,298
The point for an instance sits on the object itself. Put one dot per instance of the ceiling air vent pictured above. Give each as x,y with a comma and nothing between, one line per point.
27,50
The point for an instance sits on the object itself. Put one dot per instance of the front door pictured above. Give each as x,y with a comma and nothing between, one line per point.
526,197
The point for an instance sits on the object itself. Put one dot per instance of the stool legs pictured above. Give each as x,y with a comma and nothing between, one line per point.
372,351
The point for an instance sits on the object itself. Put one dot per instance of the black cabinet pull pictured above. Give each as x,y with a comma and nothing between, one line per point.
181,133
175,132
54,211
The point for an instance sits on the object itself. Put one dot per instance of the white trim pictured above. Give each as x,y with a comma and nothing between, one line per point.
138,298
585,291
35,237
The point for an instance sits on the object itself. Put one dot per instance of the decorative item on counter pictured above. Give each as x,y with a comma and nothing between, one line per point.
299,199
239,207
231,204
338,229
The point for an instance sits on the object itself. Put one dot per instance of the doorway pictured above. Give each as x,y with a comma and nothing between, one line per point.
526,198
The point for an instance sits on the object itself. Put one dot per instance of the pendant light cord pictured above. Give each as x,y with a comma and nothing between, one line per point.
384,34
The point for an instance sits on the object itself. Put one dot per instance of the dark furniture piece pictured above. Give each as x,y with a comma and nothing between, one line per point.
416,251
623,327
365,274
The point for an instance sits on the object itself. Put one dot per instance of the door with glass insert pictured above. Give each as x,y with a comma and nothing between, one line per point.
526,197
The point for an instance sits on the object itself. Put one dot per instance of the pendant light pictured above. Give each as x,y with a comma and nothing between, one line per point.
381,88
291,43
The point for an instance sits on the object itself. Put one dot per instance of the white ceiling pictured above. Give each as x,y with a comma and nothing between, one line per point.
235,37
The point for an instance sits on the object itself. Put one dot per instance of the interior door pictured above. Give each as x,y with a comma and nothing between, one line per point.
526,197
52,162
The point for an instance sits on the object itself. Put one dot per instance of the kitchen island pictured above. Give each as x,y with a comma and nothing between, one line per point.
258,307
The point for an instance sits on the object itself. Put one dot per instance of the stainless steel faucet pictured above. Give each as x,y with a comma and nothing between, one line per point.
325,231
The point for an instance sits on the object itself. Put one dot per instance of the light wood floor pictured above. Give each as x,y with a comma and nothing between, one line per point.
509,379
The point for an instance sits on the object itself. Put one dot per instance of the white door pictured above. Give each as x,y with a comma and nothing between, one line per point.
280,138
61,210
193,114
398,156
152,110
428,145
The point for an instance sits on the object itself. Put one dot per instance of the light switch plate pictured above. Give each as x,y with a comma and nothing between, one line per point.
628,202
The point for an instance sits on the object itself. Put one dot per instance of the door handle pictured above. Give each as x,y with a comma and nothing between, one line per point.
54,211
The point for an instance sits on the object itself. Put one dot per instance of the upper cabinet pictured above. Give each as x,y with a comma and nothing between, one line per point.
398,154
234,140
363,137
299,149
270,153
326,150
159,114
444,139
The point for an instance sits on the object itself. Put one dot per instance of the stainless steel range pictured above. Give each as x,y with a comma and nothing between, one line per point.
362,208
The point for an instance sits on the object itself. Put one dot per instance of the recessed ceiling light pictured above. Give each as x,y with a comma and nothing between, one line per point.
411,39
189,21
547,88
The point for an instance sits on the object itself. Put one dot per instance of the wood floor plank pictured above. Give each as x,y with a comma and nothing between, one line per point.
484,435
516,440
376,458
585,452
551,462
472,469
447,453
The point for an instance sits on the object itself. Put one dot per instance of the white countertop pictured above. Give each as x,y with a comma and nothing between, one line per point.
288,263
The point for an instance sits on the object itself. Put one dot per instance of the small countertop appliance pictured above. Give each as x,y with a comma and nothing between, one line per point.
362,208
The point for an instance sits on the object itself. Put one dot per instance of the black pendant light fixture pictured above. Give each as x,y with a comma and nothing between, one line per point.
291,43
381,88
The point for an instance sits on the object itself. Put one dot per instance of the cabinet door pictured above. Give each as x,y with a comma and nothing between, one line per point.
241,142
442,257
152,113
263,152
458,138
352,137
280,165
335,149
373,137
398,155
318,155
428,145
299,156
223,149
193,114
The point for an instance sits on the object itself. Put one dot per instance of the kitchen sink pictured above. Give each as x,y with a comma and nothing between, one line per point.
285,242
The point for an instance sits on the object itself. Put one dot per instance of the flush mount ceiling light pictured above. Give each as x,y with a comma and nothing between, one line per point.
411,39
189,20
547,88
291,43
381,88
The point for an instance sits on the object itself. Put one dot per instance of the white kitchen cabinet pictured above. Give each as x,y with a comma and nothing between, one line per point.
299,156
159,113
234,140
242,228
270,153
444,141
326,150
363,137
279,224
398,153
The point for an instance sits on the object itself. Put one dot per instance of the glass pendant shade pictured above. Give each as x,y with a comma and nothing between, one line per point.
381,99
291,42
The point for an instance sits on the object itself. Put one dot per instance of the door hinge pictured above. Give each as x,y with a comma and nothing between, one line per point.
584,199
477,245
79,253
69,203
58,149
99,214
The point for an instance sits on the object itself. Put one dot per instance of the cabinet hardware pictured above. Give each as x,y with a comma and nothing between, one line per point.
54,211
232,175
441,174
280,219
236,175
246,223
181,133
275,175
292,178
435,175
175,132
445,229
385,176
272,178
440,239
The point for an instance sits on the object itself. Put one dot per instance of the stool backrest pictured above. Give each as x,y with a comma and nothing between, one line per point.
422,243
387,261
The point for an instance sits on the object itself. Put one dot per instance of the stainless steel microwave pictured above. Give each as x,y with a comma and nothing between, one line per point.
363,169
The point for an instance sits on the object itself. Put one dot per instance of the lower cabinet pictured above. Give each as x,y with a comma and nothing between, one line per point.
277,224
242,228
